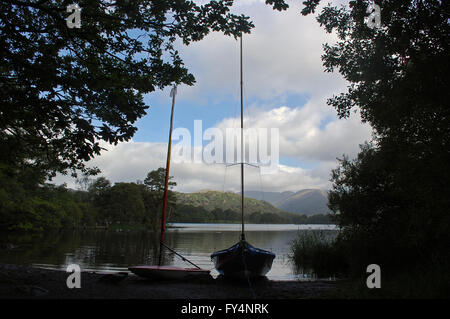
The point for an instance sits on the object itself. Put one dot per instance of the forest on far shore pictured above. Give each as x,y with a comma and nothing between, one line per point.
99,203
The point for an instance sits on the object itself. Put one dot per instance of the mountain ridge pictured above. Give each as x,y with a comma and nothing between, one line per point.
303,202
211,199
308,201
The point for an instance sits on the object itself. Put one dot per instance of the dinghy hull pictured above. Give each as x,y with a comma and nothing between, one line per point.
242,260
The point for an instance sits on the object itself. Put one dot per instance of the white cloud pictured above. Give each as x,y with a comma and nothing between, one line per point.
282,54
129,162
301,137
303,133
281,58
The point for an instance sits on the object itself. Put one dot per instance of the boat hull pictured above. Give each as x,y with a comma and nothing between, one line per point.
169,273
243,260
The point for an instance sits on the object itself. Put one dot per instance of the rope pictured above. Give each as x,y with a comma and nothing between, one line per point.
261,185
181,256
224,179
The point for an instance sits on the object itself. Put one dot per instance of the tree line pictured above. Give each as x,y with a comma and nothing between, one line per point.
184,213
25,206
99,203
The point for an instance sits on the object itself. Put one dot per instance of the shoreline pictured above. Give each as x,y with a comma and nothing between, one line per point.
25,282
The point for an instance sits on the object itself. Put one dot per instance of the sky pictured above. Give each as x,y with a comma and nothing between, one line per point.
285,87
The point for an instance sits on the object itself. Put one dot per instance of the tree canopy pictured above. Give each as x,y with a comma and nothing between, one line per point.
99,203
155,180
397,73
391,201
63,90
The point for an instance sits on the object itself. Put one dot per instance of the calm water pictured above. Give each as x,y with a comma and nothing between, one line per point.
106,250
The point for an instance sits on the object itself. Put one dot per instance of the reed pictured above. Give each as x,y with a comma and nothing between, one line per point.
316,252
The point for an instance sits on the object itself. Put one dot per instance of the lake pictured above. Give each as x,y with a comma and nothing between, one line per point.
115,250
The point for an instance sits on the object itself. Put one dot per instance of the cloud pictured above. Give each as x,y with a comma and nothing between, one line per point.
282,54
281,60
131,161
302,136
311,132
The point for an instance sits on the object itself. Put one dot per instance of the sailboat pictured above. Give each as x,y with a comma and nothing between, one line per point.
242,259
160,271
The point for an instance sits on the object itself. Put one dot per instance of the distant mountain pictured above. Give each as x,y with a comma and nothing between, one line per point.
209,200
305,202
275,198
208,206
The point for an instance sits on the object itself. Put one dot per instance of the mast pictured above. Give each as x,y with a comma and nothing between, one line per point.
242,148
166,181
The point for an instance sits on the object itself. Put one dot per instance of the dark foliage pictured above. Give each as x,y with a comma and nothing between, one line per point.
64,90
392,201
53,207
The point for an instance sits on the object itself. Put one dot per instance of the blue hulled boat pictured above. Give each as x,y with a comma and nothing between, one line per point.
242,259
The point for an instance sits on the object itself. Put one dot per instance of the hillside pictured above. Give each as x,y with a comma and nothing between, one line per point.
207,206
274,198
306,202
210,200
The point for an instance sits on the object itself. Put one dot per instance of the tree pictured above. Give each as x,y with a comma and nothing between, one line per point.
155,183
123,203
99,186
397,73
155,180
99,197
391,200
63,90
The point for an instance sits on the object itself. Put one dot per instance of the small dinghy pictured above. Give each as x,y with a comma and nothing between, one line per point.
160,271
242,259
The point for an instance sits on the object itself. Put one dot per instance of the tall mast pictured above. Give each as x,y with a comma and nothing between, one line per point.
166,182
242,147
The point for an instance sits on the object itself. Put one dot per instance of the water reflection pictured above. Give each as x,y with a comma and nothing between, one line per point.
117,250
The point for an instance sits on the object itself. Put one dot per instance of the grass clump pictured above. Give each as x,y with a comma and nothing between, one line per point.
316,252
324,254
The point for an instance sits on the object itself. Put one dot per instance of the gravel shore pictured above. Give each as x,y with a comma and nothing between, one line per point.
23,282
